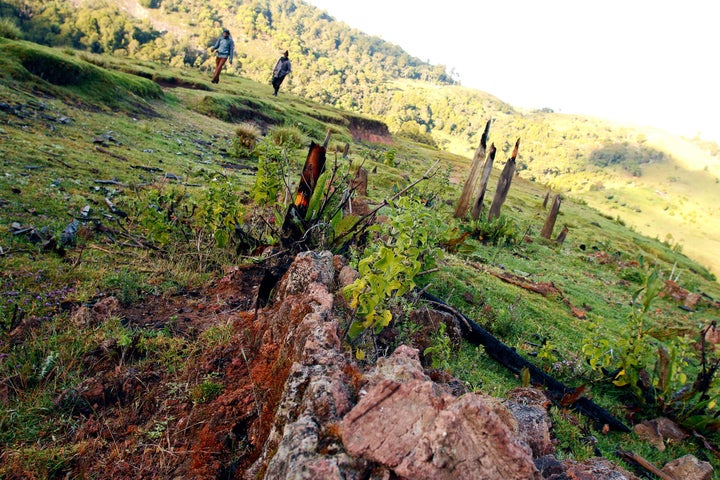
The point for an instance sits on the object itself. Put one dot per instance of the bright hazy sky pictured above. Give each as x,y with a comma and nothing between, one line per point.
652,62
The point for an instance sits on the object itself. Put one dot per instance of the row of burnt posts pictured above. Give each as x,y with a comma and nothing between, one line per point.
471,199
473,192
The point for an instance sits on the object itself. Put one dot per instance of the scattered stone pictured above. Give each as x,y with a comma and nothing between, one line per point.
595,469
532,419
689,468
347,276
657,430
68,236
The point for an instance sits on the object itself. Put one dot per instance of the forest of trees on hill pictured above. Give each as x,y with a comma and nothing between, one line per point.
333,64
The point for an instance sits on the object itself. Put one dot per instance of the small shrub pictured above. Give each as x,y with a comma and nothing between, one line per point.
655,370
269,178
388,269
219,210
9,29
390,158
127,285
206,391
440,348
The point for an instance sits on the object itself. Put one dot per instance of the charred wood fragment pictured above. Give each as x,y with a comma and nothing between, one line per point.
563,234
551,218
508,357
294,224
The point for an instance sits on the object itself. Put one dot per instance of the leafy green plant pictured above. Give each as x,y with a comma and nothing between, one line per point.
656,372
269,179
439,349
219,210
158,429
388,270
206,391
160,211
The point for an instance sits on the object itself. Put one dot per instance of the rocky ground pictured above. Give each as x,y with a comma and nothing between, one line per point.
294,402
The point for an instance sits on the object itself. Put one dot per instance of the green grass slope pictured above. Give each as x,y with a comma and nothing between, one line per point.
142,168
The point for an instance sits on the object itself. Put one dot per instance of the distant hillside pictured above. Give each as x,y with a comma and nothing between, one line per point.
659,184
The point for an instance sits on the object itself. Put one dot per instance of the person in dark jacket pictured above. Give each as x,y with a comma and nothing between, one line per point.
225,48
281,70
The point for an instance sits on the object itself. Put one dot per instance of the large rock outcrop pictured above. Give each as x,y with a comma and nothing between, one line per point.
336,420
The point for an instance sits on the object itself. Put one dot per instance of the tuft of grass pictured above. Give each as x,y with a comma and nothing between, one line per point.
246,138
290,138
206,392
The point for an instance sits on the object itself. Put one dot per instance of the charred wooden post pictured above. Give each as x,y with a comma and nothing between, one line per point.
346,151
545,200
556,391
503,186
359,182
471,181
551,218
487,169
563,234
293,225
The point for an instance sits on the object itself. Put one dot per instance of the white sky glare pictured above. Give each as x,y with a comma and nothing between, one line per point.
654,63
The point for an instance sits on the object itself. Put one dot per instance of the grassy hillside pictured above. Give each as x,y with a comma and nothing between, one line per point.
133,180
638,175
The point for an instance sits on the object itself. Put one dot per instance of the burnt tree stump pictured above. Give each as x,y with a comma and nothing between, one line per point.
469,188
563,234
293,227
551,218
487,169
503,185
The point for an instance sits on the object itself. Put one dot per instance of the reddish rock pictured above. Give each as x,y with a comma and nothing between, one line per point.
691,301
422,434
675,291
689,468
596,469
658,430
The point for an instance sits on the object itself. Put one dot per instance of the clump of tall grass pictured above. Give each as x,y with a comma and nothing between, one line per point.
246,137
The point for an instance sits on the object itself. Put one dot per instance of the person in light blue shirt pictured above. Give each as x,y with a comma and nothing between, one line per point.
225,48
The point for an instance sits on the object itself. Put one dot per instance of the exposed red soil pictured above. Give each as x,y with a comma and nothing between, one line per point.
136,418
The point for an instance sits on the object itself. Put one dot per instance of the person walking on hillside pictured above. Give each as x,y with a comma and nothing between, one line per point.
281,70
225,48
